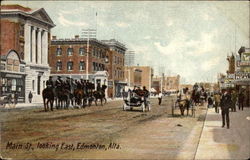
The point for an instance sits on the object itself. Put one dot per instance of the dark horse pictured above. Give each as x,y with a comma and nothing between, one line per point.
63,98
48,97
100,95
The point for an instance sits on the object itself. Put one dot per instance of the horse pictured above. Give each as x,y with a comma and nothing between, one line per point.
80,97
63,98
48,95
100,95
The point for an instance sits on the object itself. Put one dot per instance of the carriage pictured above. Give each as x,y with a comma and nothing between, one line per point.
135,101
7,101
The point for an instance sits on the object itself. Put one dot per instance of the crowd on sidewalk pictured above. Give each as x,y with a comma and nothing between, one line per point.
226,100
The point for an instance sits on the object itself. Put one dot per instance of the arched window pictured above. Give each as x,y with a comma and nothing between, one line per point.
82,66
59,51
70,66
58,65
70,51
82,51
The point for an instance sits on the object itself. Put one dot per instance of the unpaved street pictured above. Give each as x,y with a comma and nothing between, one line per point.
100,132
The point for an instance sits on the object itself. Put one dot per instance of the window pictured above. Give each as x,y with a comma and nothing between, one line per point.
59,51
82,51
93,52
58,65
82,65
70,66
70,51
94,68
21,30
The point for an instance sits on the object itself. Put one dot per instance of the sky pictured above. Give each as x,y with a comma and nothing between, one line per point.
189,38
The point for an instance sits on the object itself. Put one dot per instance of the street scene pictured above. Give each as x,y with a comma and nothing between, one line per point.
125,80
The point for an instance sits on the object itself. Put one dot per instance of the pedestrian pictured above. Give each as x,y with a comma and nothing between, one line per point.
241,100
30,97
217,99
210,102
16,97
226,102
234,100
160,97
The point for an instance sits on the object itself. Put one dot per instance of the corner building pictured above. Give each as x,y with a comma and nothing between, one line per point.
26,32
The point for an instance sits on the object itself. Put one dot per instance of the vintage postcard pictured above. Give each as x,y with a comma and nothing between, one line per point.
125,80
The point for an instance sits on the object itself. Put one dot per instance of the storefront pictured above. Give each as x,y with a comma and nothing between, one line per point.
119,86
12,74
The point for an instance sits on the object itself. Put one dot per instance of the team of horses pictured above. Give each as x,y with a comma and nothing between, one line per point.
78,98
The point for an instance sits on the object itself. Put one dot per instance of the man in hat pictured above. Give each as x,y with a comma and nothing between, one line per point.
59,82
67,84
50,83
226,102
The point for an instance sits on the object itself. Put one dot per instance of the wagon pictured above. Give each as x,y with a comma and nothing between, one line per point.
7,101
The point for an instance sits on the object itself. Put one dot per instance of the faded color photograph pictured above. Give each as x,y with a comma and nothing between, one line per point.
125,80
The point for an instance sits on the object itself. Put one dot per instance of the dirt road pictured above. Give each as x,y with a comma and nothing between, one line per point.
100,132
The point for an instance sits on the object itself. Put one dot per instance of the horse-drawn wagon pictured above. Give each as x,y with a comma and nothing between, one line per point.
7,101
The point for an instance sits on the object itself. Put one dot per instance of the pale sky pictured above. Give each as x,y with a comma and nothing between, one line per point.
191,39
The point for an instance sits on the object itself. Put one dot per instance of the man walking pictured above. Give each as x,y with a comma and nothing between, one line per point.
160,97
234,100
241,100
226,102
217,99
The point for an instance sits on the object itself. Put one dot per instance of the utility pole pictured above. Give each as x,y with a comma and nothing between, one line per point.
88,33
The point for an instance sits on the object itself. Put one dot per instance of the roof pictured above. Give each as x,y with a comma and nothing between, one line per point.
39,15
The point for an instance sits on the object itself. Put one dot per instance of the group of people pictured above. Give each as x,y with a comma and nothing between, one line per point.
70,84
226,100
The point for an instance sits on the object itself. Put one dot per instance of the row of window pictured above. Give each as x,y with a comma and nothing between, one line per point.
118,60
119,74
82,66
82,51
70,66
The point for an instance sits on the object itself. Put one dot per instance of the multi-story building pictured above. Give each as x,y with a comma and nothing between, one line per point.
143,78
69,58
115,67
167,84
242,75
130,58
24,50
133,77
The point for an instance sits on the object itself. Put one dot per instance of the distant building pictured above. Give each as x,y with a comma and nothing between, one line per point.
130,58
133,76
25,35
146,76
166,83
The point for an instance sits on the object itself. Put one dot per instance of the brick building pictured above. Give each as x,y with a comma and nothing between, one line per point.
68,58
133,76
24,49
115,67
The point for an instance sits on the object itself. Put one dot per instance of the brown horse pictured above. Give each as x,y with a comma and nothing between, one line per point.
80,97
48,97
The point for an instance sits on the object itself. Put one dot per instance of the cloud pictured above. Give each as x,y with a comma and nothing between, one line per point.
147,37
210,64
207,17
169,22
65,22
122,24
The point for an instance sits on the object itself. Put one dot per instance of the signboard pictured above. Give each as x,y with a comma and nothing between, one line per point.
240,76
244,63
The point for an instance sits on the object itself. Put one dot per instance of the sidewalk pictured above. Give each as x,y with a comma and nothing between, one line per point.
222,143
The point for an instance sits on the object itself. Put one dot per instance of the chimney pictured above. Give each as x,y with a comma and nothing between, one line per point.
53,37
76,36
